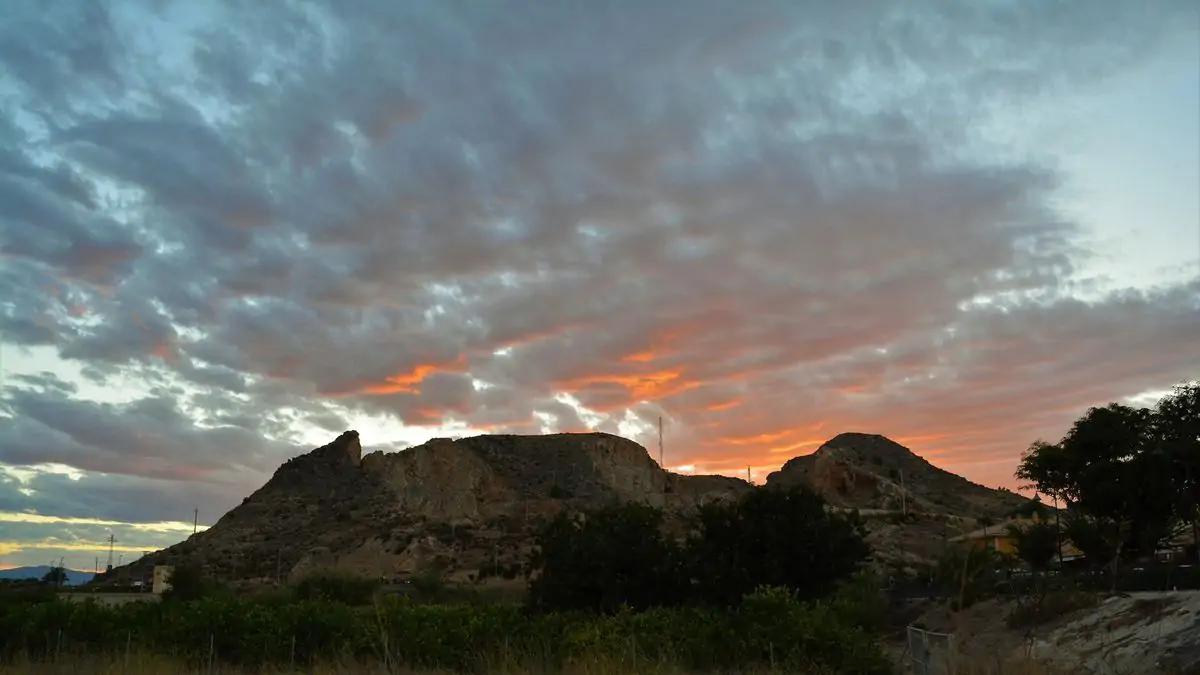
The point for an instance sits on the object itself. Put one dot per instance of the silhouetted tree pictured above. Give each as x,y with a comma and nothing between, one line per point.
56,576
1036,544
188,583
1114,477
606,559
1177,435
777,538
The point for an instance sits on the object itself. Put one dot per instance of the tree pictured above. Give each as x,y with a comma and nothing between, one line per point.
188,583
1036,544
771,537
1094,537
1112,475
603,560
56,576
1177,435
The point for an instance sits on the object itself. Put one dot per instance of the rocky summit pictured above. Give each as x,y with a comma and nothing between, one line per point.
868,471
911,507
468,508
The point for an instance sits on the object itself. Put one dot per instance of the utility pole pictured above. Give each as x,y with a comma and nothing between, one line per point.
111,540
195,519
748,478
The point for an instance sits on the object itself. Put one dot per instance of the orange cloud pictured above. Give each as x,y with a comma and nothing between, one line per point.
403,383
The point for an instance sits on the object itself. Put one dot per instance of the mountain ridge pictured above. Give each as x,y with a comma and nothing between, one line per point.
469,508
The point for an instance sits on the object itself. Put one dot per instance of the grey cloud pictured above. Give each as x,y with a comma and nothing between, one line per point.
769,223
149,437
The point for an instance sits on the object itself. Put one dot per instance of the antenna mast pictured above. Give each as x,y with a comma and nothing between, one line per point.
660,444
111,540
195,519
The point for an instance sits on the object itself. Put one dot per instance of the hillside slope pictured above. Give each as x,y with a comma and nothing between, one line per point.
468,507
868,471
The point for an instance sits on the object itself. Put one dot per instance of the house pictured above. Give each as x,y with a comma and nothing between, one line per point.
999,538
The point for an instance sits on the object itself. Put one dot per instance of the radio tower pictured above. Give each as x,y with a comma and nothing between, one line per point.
111,540
660,444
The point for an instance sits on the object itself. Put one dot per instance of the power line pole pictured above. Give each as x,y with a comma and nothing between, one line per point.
748,478
111,540
195,519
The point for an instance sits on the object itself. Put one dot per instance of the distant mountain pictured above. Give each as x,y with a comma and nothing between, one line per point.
74,577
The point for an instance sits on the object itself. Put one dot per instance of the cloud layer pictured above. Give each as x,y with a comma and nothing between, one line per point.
767,226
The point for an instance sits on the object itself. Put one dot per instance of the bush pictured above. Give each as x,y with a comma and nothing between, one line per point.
335,586
189,584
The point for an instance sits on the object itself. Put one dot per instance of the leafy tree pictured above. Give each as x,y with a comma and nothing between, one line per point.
1177,435
606,559
778,538
188,584
1094,537
56,576
1114,477
1036,544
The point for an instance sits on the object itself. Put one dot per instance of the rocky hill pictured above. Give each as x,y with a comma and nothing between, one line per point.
868,471
911,507
469,507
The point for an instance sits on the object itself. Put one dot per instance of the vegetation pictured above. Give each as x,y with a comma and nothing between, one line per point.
1128,477
622,556
609,587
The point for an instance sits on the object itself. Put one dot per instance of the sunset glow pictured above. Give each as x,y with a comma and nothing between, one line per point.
240,229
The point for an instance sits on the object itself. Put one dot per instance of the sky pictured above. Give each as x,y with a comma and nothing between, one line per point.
230,231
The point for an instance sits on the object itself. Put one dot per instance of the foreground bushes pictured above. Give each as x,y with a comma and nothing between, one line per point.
770,628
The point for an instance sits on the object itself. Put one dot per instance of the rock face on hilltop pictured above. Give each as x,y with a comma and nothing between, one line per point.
911,507
467,507
868,471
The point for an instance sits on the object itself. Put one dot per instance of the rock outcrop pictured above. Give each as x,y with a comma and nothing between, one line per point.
872,472
467,507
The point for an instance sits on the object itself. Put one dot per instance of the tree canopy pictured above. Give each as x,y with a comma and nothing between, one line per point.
623,556
1127,476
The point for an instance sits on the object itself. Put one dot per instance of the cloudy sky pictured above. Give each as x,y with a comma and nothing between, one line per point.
230,230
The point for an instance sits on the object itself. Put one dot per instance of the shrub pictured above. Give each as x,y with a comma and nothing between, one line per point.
335,586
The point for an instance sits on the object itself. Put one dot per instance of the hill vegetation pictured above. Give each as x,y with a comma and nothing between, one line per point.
1128,478
612,585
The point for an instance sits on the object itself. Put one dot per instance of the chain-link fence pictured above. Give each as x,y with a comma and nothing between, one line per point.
929,653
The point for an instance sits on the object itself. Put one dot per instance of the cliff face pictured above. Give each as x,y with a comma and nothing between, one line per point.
467,506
